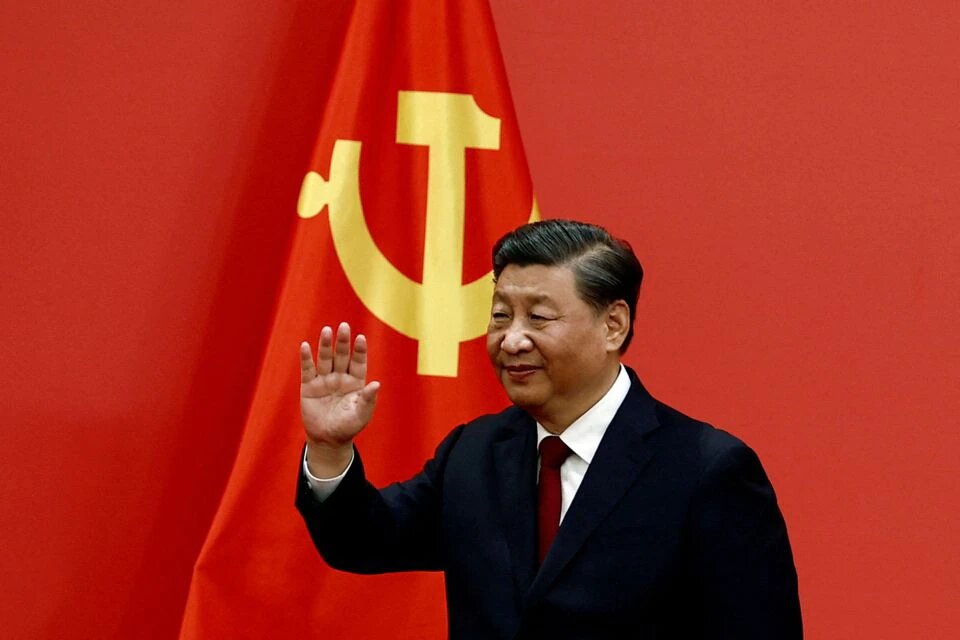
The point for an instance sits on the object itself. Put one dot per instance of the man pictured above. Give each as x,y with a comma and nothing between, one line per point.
586,510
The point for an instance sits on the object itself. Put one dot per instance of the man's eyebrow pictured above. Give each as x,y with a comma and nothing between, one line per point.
533,298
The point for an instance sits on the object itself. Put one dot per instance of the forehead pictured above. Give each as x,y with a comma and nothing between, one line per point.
536,283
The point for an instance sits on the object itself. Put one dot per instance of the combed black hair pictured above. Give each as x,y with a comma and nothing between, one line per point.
605,268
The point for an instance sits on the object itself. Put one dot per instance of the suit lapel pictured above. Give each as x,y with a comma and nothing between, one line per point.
619,460
515,460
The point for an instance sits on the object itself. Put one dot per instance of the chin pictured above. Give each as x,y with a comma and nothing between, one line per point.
523,396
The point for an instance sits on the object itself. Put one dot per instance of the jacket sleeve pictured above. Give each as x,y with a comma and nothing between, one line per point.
742,562
361,529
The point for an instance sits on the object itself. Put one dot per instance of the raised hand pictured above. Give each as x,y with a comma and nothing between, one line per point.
336,402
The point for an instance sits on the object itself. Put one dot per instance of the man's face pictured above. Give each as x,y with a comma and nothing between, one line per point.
553,353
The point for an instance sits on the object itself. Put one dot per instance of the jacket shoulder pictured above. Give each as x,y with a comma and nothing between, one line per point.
495,425
701,439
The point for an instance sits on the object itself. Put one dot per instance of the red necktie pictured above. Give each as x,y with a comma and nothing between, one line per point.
552,454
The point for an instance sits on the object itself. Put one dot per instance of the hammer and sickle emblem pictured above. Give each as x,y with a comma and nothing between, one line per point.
440,312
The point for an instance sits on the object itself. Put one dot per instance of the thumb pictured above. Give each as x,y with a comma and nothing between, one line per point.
369,393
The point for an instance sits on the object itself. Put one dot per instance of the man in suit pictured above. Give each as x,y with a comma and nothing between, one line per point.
586,510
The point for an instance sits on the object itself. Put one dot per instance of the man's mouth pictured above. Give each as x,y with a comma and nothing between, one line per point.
520,371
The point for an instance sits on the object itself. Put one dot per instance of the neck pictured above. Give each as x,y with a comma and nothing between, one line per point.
557,419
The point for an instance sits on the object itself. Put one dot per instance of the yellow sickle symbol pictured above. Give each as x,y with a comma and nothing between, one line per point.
441,312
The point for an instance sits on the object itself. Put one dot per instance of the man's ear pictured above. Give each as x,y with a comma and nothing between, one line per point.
617,320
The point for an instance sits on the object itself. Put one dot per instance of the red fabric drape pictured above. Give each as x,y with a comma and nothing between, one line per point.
257,575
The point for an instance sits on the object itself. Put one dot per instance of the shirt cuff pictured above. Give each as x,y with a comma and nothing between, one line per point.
323,487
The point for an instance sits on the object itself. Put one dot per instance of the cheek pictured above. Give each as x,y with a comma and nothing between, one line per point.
493,344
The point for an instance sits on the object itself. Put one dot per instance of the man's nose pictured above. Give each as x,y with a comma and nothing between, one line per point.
516,340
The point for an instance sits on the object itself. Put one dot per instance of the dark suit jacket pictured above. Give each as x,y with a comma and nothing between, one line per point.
674,533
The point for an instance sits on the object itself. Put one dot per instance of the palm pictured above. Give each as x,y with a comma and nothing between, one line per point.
336,402
332,408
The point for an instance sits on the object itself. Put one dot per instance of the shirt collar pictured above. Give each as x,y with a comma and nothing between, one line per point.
584,434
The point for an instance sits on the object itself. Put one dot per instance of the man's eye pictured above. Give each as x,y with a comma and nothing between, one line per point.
536,317
499,315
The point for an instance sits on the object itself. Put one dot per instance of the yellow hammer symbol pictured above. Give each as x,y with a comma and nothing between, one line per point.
441,312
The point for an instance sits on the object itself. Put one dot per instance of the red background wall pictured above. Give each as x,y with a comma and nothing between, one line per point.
788,176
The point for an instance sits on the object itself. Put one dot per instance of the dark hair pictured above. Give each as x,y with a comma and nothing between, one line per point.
605,268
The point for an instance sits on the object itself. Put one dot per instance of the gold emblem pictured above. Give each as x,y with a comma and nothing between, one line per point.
440,312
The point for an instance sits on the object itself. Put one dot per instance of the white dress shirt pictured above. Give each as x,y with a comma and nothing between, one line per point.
323,487
582,436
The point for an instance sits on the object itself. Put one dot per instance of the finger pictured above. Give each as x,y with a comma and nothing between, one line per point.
369,393
358,362
325,352
307,371
341,349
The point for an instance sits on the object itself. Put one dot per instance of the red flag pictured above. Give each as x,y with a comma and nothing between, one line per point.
418,169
